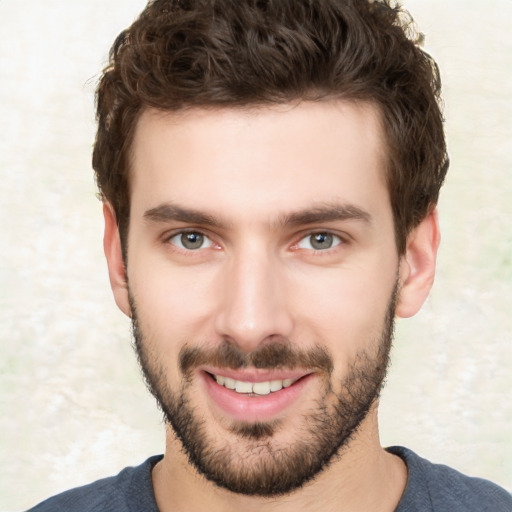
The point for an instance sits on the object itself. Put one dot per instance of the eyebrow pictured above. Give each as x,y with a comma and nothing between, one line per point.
327,212
167,212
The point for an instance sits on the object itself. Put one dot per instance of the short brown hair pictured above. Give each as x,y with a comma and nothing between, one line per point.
180,54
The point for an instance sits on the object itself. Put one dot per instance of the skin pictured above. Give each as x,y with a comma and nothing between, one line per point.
257,277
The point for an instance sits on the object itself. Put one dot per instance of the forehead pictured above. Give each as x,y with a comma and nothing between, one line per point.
259,162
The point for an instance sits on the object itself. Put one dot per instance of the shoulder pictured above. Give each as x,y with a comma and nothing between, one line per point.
130,490
439,487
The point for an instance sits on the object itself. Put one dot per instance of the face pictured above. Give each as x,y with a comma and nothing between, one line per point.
262,276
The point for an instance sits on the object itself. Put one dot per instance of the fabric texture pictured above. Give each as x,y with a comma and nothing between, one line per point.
430,488
439,488
129,491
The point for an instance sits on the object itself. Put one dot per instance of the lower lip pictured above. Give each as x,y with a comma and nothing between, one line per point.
254,408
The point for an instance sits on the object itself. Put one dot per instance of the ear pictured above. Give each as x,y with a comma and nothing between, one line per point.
115,262
417,266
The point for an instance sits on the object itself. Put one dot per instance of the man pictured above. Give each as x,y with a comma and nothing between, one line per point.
270,172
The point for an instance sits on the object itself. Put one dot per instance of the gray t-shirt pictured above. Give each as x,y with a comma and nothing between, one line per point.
438,488
430,488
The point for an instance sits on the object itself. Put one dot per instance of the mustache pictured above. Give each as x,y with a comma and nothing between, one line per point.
275,355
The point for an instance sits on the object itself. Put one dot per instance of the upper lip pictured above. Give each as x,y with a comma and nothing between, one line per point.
256,375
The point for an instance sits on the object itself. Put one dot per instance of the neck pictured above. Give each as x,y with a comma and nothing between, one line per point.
363,477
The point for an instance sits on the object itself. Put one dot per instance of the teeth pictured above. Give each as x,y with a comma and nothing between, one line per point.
258,388
276,385
229,383
261,388
243,387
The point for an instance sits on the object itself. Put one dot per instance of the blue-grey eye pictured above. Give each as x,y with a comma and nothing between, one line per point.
191,240
319,241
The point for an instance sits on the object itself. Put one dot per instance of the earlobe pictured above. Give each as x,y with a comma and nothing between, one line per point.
417,266
115,262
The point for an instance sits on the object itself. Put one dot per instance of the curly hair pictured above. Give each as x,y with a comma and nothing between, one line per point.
181,54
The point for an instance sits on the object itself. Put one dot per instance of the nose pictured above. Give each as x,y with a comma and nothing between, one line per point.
253,303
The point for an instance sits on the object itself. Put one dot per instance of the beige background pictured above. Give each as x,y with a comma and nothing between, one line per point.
73,405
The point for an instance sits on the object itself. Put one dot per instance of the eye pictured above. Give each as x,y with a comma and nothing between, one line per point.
320,241
191,241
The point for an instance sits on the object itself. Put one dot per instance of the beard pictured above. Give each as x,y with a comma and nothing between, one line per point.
259,466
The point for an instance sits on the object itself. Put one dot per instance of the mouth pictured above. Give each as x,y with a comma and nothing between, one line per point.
253,388
252,395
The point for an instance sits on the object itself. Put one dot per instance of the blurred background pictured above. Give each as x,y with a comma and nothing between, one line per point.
73,405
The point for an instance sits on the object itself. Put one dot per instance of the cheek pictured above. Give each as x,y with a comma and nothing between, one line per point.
343,309
172,303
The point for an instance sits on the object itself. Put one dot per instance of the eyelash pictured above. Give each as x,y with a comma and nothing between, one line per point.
170,237
337,239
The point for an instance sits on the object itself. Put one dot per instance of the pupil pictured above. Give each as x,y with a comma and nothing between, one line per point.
321,241
192,240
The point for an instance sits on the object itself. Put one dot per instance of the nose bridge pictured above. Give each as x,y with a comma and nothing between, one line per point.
253,305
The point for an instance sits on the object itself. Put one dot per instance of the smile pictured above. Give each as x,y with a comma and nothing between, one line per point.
250,395
256,388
